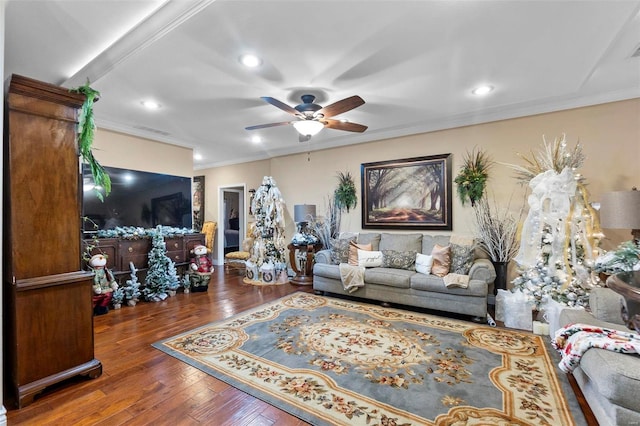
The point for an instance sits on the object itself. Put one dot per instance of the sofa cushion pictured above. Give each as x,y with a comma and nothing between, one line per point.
401,242
390,277
436,284
606,305
399,259
441,260
372,238
327,270
616,375
353,252
340,250
461,258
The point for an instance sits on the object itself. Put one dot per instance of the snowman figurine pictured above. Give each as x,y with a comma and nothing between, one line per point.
103,284
201,269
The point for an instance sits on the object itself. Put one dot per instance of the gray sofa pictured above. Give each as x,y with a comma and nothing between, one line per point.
408,287
610,381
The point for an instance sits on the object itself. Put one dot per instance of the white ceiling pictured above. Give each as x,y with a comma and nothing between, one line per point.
413,62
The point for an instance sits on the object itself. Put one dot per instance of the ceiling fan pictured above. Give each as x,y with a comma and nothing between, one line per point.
312,117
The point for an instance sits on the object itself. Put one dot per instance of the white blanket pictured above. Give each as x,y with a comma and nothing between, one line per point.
352,277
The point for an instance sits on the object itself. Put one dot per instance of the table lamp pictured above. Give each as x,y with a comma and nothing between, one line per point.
302,214
621,210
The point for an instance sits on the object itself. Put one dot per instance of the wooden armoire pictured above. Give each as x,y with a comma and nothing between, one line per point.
47,312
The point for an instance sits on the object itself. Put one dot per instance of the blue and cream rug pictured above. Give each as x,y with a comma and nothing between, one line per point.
336,362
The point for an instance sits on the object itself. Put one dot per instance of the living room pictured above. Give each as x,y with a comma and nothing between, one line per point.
606,128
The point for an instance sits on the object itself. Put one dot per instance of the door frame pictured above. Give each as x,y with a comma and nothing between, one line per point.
240,189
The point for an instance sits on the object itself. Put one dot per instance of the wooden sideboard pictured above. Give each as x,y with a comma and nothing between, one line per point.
121,251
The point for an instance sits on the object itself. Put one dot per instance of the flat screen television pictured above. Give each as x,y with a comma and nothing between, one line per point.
140,199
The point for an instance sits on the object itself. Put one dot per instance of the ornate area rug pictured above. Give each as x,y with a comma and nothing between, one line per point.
335,362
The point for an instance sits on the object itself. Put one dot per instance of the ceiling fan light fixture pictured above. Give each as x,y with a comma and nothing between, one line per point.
308,127
250,61
482,90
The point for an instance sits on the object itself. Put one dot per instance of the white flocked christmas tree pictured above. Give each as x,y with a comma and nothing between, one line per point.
161,275
268,233
561,233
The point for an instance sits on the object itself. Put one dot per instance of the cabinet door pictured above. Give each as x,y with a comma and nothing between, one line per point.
136,251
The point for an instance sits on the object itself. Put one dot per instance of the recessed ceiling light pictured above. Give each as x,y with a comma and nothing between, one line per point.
256,139
197,156
250,61
482,90
150,104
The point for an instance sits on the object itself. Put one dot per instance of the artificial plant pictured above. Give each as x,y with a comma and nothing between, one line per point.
344,196
86,133
473,175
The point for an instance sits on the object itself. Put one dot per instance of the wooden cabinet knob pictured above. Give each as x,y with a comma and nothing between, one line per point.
175,245
130,249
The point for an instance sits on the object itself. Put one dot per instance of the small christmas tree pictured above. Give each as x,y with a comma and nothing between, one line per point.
162,270
131,287
117,297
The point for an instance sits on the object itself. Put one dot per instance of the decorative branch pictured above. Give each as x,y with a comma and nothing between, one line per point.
497,231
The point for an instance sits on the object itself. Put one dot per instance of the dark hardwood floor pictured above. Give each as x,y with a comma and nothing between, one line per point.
141,385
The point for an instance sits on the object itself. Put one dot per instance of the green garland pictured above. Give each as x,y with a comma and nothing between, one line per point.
473,176
86,133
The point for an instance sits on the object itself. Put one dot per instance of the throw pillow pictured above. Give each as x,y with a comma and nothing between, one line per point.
423,263
441,260
399,259
461,258
353,252
370,259
340,250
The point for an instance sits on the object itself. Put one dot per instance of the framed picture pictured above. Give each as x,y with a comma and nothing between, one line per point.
198,202
411,194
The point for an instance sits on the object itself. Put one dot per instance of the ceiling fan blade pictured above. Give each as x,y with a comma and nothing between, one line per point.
342,125
339,107
304,138
264,126
281,105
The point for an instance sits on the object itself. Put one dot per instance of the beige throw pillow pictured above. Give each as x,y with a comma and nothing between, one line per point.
441,260
353,252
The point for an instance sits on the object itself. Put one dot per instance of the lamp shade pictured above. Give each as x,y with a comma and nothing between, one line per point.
304,212
620,210
308,127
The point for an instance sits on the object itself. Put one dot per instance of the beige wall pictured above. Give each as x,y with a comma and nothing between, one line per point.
130,152
609,135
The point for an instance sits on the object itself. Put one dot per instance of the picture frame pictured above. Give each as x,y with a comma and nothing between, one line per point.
197,202
409,194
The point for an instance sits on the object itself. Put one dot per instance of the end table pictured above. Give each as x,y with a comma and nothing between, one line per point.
628,285
301,259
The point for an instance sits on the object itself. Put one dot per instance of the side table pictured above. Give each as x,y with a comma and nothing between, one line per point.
628,285
301,257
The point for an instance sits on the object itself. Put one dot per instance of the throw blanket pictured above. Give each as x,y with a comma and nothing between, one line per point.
573,341
352,277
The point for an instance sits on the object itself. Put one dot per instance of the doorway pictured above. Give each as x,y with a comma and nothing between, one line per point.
231,219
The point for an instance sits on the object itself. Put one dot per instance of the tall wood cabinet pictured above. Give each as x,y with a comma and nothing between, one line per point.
48,317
